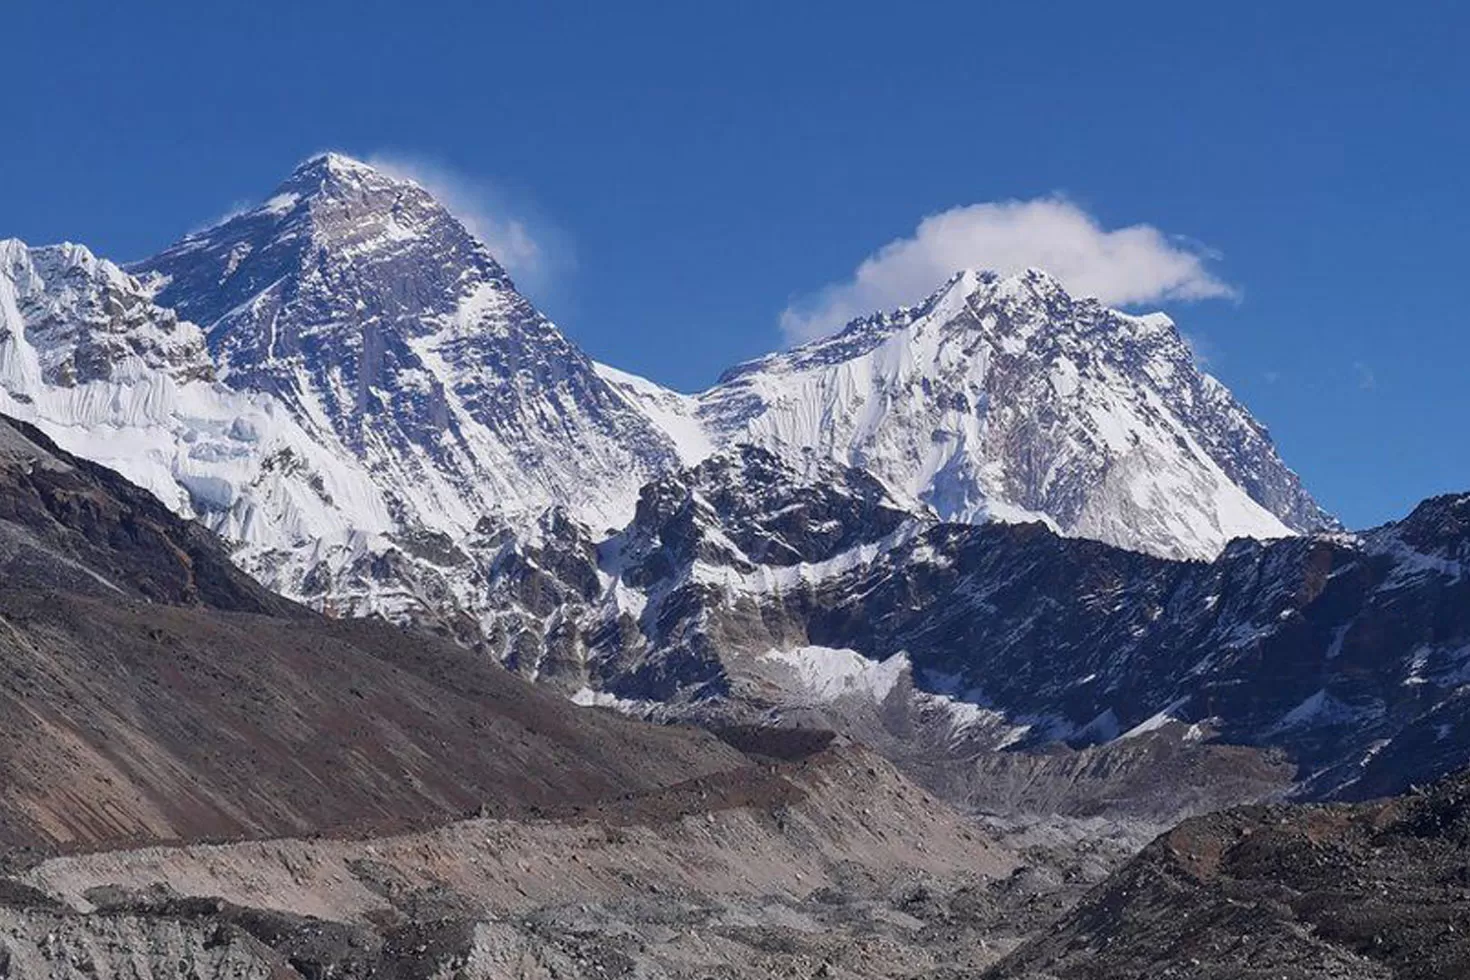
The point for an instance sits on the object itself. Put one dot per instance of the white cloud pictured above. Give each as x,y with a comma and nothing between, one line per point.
536,254
1121,267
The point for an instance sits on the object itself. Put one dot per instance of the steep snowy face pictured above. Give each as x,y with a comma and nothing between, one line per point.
371,312
1007,398
88,357
69,318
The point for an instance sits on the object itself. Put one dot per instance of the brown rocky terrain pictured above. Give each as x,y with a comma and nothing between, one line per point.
154,692
1365,891
829,866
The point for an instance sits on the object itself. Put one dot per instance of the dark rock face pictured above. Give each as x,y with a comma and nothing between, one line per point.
1369,890
536,581
1322,646
747,509
1342,656
1439,528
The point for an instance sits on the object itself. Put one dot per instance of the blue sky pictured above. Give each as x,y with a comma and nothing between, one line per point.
684,174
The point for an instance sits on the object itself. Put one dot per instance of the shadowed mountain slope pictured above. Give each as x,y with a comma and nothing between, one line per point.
153,691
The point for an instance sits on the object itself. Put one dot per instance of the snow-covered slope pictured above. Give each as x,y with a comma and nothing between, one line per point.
371,312
1007,398
111,376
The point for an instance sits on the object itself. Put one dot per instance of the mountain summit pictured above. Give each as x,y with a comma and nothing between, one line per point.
1004,397
364,305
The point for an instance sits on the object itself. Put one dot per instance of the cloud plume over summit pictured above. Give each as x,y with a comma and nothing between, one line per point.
1121,267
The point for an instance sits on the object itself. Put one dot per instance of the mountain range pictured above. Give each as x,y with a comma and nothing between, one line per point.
995,502
1018,543
346,385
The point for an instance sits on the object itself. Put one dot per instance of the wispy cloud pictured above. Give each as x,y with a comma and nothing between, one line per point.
1202,349
234,211
1122,266
1367,380
536,253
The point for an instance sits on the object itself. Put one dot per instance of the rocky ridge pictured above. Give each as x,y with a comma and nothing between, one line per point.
1361,892
746,589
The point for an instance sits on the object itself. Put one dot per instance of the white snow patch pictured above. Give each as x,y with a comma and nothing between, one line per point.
586,697
1157,721
828,673
672,413
1319,709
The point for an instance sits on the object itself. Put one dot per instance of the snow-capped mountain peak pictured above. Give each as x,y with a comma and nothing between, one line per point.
391,418
339,166
370,310
388,405
1004,397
